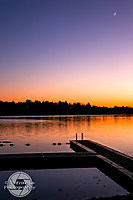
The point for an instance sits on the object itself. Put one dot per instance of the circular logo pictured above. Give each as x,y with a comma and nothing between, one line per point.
20,184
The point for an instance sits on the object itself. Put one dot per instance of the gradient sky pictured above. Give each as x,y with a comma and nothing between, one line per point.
73,50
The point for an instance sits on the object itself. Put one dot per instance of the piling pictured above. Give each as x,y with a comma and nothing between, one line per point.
76,136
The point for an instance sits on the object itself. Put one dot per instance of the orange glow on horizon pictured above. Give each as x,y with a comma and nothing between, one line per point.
97,102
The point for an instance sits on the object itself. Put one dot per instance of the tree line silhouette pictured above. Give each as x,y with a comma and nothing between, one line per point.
60,108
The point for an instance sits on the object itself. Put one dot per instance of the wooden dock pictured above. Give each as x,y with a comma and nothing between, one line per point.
114,164
46,161
88,154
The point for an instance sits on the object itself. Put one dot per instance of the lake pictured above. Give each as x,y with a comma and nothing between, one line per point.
40,132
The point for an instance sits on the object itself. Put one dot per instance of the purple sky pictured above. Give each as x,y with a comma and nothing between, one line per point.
74,50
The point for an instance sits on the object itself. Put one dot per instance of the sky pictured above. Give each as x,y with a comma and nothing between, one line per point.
67,50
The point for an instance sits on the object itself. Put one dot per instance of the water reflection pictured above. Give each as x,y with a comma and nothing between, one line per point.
42,131
66,184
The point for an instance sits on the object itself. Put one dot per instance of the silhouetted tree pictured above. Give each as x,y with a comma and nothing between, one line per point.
50,108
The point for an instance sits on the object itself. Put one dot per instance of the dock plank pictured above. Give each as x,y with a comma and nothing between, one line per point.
46,161
116,156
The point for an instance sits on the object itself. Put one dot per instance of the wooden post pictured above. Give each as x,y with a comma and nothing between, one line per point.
82,136
76,136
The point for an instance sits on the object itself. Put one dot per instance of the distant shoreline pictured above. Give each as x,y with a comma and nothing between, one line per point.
61,108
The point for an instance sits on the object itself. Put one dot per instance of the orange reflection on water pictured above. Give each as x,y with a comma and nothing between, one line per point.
40,133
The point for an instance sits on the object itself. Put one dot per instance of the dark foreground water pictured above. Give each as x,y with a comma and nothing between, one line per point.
63,184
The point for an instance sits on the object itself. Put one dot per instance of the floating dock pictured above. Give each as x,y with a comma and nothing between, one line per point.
114,164
46,161
88,154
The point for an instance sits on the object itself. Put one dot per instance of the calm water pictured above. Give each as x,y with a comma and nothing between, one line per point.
42,131
65,184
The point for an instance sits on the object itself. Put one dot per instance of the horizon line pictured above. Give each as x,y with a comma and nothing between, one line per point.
62,101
